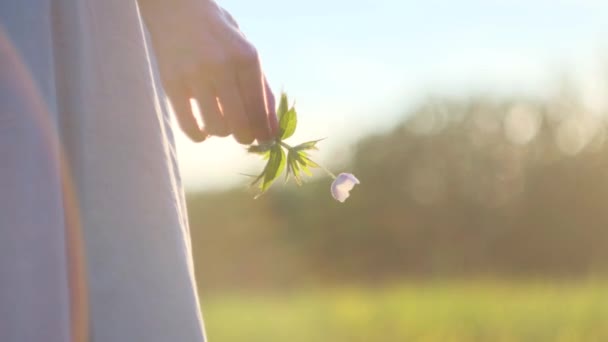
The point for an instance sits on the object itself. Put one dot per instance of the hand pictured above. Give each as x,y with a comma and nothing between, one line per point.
202,54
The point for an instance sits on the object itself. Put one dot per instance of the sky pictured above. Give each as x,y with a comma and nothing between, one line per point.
355,66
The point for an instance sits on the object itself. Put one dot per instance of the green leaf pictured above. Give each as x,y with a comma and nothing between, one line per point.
302,162
276,165
306,170
283,106
287,171
290,168
304,159
248,175
309,145
296,172
281,157
293,167
288,123
262,150
258,178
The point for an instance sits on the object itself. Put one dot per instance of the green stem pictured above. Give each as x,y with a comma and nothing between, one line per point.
282,143
331,174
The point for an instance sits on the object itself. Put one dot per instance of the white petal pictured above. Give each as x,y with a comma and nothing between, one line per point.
342,185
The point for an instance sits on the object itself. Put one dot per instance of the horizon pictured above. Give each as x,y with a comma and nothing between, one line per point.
385,56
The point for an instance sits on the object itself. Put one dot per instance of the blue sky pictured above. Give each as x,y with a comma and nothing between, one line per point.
354,67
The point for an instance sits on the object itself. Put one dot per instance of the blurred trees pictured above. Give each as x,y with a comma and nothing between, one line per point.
515,187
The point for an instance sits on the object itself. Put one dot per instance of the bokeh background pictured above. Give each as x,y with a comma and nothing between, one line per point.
478,130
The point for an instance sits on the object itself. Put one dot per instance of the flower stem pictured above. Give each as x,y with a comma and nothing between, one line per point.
331,174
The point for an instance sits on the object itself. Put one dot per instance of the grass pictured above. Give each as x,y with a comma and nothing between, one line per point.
455,311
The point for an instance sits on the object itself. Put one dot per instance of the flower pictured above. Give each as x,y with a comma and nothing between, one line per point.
342,185
294,159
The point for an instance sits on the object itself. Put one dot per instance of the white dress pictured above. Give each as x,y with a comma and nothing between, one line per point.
89,141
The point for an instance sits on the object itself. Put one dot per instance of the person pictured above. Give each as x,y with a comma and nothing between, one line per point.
94,241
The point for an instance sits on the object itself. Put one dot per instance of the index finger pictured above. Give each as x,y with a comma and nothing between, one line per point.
253,92
179,96
271,109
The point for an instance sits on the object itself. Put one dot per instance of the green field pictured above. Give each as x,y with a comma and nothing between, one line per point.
458,311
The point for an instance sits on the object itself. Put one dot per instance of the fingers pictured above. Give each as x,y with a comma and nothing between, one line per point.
213,119
251,85
271,109
232,107
241,58
180,101
226,80
246,107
